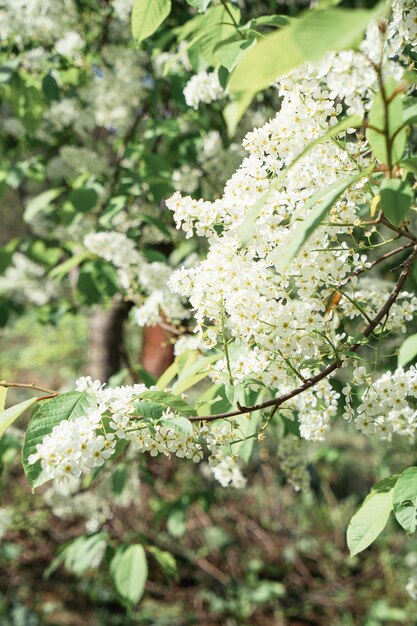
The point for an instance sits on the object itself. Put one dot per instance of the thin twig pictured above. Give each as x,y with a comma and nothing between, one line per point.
32,386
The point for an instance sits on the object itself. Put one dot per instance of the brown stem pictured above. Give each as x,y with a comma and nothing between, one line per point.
380,259
32,386
397,229
276,402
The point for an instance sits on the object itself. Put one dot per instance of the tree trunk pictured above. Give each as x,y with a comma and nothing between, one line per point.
157,351
105,340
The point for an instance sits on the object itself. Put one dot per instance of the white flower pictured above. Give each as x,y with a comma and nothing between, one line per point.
70,44
203,87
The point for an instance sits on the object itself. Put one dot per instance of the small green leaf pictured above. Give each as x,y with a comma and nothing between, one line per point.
396,199
149,410
168,400
50,87
129,571
229,52
177,521
320,204
410,111
194,373
234,111
40,203
370,520
410,164
213,28
118,478
11,414
179,424
269,20
3,395
6,254
47,415
165,560
405,500
408,351
306,39
147,16
64,268
80,554
83,200
200,5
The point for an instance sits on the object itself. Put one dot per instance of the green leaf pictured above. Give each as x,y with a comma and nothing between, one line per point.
118,478
228,52
269,20
376,131
234,111
129,571
64,268
200,5
80,554
97,280
396,199
40,203
179,424
212,28
194,373
50,87
306,39
177,521
408,351
410,111
165,560
11,414
405,500
370,520
168,376
149,410
6,254
147,16
410,164
83,200
320,205
44,254
3,395
47,415
168,400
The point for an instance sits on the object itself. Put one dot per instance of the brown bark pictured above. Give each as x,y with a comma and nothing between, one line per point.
157,351
105,340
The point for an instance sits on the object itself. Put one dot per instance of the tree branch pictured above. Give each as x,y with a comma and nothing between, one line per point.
32,386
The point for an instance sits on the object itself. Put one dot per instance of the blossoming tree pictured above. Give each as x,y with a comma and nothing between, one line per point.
281,313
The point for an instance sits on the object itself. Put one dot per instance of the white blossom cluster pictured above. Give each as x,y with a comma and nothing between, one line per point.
43,21
411,587
388,404
49,22
135,273
68,501
368,295
272,317
114,94
172,62
25,281
6,520
203,87
75,447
